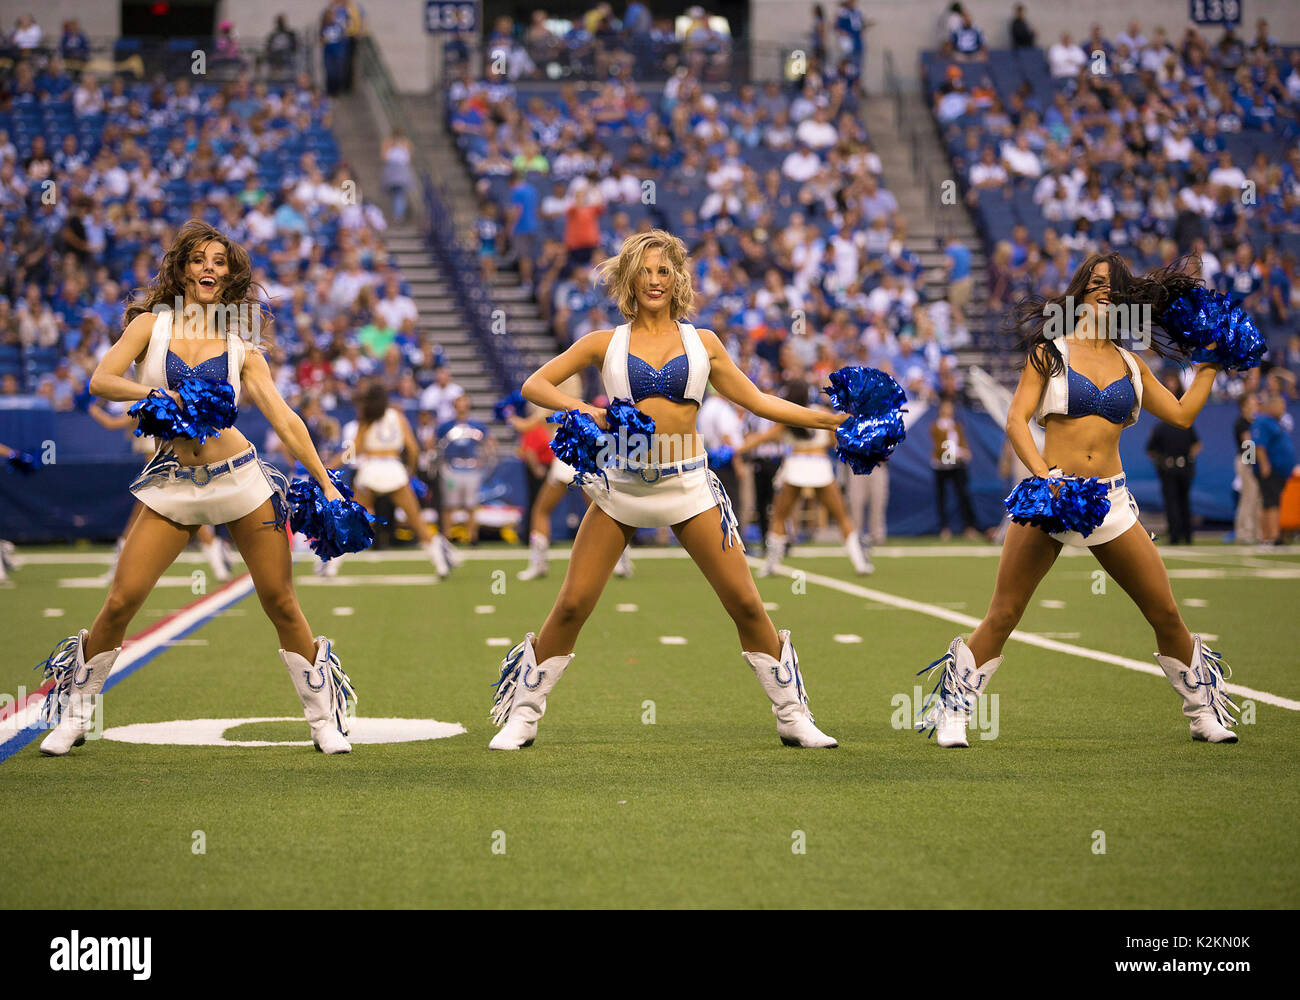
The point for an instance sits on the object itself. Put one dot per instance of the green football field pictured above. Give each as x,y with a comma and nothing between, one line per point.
658,779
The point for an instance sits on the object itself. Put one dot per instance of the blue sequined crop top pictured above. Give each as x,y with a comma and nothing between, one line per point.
212,370
669,381
1115,402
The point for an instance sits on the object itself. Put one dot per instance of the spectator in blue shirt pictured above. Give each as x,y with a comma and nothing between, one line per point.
967,40
957,259
74,46
524,225
1274,464
850,30
465,447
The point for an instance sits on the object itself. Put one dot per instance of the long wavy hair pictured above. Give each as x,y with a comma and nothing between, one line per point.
619,273
237,288
1157,288
372,403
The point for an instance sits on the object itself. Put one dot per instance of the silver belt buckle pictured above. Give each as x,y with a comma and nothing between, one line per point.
194,475
659,474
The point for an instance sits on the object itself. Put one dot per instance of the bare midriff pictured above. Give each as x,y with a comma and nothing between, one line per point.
1083,446
675,437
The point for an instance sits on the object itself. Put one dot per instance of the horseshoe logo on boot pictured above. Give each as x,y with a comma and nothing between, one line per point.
776,672
541,676
315,687
78,678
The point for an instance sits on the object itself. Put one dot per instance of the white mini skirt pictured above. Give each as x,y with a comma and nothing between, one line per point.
217,493
1123,515
806,471
560,473
658,496
380,475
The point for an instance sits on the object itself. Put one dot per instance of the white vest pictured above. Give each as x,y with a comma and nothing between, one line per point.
1056,394
385,434
614,369
153,373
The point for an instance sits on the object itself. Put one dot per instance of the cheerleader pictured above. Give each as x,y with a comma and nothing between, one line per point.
808,466
187,484
1084,389
383,433
209,541
663,365
559,477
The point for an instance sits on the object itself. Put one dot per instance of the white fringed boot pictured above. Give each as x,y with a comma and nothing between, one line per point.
538,561
947,710
77,684
326,694
783,684
1205,697
520,700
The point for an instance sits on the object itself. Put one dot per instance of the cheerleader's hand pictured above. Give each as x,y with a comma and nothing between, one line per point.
330,491
176,397
597,413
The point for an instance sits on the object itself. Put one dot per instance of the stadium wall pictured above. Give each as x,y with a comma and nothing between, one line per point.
83,493
397,27
908,27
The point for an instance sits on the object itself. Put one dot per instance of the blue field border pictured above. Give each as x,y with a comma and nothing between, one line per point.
23,737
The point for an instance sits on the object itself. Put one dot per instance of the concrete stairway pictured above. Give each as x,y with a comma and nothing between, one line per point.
915,165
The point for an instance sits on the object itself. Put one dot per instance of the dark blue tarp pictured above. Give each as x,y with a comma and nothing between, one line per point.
83,493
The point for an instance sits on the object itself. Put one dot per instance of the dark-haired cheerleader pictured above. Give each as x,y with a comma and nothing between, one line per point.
183,341
1084,389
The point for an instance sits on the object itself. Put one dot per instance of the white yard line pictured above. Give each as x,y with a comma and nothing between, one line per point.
1250,554
1030,638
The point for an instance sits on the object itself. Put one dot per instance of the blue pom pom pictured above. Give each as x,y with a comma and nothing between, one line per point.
1203,317
864,392
1031,502
1081,504
1065,503
514,403
84,398
210,406
621,413
580,443
332,527
864,442
24,462
160,416
722,457
418,488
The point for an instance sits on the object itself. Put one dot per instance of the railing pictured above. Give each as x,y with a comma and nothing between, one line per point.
487,324
146,56
459,263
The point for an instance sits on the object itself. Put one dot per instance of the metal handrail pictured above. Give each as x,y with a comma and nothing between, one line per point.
144,56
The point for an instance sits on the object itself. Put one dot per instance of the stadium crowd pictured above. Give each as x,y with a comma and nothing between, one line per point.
799,248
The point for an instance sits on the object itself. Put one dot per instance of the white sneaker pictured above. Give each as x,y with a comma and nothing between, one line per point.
6,555
1205,697
623,568
860,560
947,709
326,693
434,551
535,571
77,684
783,684
520,700
449,551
